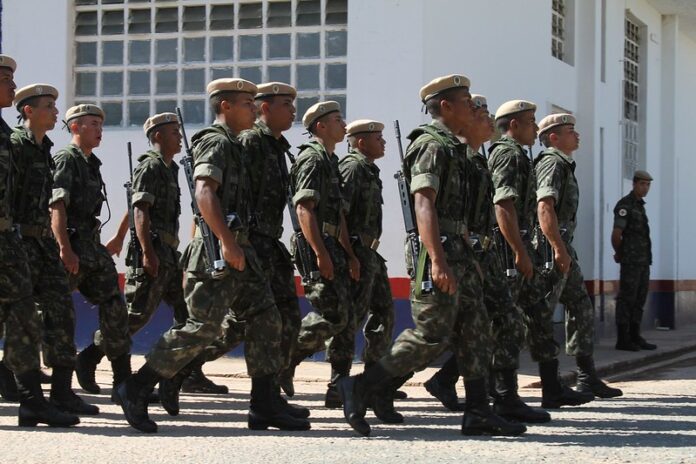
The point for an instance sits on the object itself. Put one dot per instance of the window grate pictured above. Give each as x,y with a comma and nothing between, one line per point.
631,98
558,33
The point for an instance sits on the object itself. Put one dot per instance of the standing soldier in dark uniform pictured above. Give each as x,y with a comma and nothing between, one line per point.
558,197
453,314
221,189
78,195
515,208
506,318
34,183
18,317
632,249
315,181
371,295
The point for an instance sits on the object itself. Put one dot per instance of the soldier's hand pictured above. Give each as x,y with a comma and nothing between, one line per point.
71,261
151,263
234,255
354,268
443,277
114,245
325,265
524,264
562,259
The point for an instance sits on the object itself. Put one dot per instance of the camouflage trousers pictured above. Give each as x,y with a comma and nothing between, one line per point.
97,281
633,292
280,272
331,303
457,322
507,327
22,325
247,294
371,297
53,299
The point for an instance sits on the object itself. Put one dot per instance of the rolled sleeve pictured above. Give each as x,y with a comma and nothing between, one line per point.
143,197
423,181
60,194
506,192
208,170
306,195
307,177
546,192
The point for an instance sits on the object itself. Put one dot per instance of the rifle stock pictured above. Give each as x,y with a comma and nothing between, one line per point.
135,250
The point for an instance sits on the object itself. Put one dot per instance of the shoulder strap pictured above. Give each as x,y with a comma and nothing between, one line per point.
447,144
262,185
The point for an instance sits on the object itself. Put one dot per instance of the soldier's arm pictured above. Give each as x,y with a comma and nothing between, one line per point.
549,226
141,216
616,239
115,243
344,238
59,225
310,229
620,222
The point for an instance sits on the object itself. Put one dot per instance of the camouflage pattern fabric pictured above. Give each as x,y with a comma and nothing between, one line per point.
634,282
631,218
78,183
247,294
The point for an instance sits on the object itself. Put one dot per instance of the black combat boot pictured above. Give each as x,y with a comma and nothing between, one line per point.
398,394
169,389
285,377
442,385
508,404
33,407
64,398
86,366
8,385
339,369
355,392
553,393
382,401
133,397
623,339
266,411
197,382
121,370
640,341
479,418
588,380
294,410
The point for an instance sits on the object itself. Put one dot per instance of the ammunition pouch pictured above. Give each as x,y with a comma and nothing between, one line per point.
331,230
367,241
480,243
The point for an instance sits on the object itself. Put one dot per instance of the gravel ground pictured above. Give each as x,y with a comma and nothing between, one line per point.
654,422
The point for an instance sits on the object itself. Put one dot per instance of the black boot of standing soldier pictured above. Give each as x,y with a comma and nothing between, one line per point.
86,366
623,339
479,418
64,398
589,382
266,411
133,397
638,340
8,385
33,407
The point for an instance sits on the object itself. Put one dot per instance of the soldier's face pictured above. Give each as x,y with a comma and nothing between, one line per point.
373,144
641,188
281,113
242,112
568,140
462,111
525,128
170,139
7,87
89,128
44,114
483,123
334,127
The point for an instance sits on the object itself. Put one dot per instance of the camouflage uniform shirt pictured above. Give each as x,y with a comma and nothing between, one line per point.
555,172
630,217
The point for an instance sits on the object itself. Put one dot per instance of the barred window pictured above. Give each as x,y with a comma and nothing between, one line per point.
136,57
631,98
558,33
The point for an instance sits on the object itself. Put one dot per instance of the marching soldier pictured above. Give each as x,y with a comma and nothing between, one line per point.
34,183
632,249
221,190
558,197
453,314
315,181
515,206
78,195
22,324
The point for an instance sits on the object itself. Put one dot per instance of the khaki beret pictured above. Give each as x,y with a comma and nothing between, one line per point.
555,120
479,101
440,84
86,109
642,175
231,85
318,110
159,120
8,62
514,106
34,90
271,89
364,125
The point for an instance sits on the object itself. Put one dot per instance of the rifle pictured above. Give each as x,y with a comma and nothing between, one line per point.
217,266
305,259
410,224
135,250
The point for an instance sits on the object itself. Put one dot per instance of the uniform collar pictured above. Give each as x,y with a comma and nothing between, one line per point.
566,158
440,126
261,126
29,135
87,159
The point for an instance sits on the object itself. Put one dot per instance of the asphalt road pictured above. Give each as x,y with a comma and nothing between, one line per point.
655,422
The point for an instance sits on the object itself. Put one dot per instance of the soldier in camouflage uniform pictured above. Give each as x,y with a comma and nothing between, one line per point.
632,249
515,206
506,317
78,195
221,189
34,183
362,192
18,317
558,196
315,181
452,315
